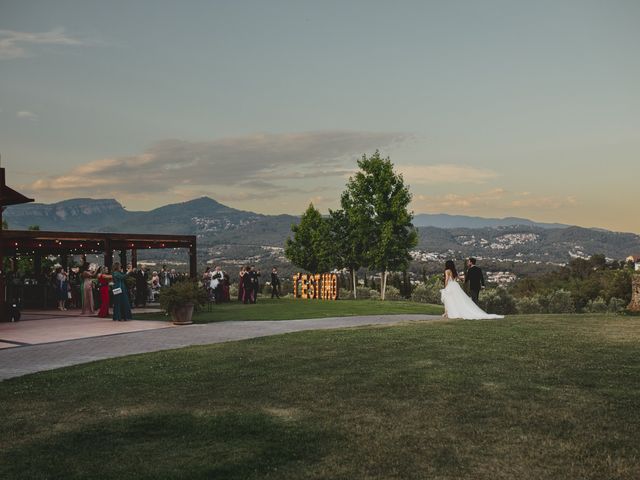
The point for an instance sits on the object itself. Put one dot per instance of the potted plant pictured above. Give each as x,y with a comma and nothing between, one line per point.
179,299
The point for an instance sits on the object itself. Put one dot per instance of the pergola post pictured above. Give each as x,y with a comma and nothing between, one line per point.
123,259
193,261
134,258
108,254
64,260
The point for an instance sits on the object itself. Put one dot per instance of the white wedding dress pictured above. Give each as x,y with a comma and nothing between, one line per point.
458,304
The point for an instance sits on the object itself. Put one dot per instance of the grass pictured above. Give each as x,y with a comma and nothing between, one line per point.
290,309
528,397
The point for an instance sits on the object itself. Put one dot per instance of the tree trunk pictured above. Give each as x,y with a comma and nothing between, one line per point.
353,276
384,284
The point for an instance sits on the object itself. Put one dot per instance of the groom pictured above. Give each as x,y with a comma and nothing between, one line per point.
474,279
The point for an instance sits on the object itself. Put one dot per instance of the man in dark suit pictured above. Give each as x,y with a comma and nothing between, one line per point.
255,283
474,279
142,287
275,283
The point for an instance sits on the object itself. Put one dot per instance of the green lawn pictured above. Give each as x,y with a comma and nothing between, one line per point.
290,309
528,397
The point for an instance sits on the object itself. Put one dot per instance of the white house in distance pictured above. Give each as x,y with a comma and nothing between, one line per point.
635,259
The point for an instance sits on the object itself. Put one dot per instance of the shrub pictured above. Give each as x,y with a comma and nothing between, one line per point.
426,293
344,294
373,294
233,291
616,305
181,294
363,292
529,305
497,300
393,294
597,305
560,301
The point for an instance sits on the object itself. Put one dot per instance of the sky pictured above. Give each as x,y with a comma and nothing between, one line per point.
488,108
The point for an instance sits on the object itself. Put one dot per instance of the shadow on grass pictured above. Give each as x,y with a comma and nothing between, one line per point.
230,446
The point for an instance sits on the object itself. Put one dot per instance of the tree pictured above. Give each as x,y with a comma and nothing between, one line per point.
34,227
5,225
347,247
376,204
310,248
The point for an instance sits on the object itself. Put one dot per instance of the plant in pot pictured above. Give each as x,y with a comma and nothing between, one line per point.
179,300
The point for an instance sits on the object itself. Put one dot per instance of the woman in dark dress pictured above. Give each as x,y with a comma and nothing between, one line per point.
121,305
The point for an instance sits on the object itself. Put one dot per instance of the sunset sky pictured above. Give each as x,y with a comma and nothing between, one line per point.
488,108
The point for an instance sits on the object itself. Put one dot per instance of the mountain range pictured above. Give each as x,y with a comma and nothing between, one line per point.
236,235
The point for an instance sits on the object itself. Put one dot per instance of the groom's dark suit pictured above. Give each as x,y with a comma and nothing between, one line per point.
475,280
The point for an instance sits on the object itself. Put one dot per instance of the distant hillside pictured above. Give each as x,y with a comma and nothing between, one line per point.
225,233
442,220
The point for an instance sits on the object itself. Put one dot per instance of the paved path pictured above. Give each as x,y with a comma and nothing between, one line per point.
18,361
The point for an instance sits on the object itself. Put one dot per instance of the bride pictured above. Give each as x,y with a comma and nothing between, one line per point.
456,303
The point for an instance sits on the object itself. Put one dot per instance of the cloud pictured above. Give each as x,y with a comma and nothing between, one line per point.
234,167
444,173
456,201
15,44
27,115
495,200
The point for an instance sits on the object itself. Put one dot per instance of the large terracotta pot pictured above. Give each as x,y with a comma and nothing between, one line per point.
182,315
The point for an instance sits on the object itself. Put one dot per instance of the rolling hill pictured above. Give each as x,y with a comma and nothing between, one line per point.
226,233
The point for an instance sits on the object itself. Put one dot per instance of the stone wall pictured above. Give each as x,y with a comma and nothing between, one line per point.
634,306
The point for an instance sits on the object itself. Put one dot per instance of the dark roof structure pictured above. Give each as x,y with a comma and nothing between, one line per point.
8,196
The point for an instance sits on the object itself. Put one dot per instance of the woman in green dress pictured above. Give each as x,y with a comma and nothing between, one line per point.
121,305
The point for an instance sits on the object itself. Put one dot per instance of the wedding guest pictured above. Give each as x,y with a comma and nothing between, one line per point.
226,284
84,265
121,305
62,287
216,284
103,282
247,286
165,281
75,282
141,287
255,283
87,291
241,284
275,283
155,286
206,281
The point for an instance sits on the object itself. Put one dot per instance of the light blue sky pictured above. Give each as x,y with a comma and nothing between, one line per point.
488,107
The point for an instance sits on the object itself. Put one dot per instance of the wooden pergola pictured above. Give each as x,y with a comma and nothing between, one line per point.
36,243
8,196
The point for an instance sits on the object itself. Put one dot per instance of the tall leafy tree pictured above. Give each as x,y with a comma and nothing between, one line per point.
376,204
310,247
347,249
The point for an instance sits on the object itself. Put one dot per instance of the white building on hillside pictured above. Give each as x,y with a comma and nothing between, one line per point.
635,259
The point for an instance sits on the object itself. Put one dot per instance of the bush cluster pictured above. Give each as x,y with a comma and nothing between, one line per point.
426,293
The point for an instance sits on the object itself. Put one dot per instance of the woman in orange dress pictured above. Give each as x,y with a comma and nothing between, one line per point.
103,282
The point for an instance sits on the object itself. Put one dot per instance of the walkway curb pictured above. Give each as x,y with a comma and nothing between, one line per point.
15,362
